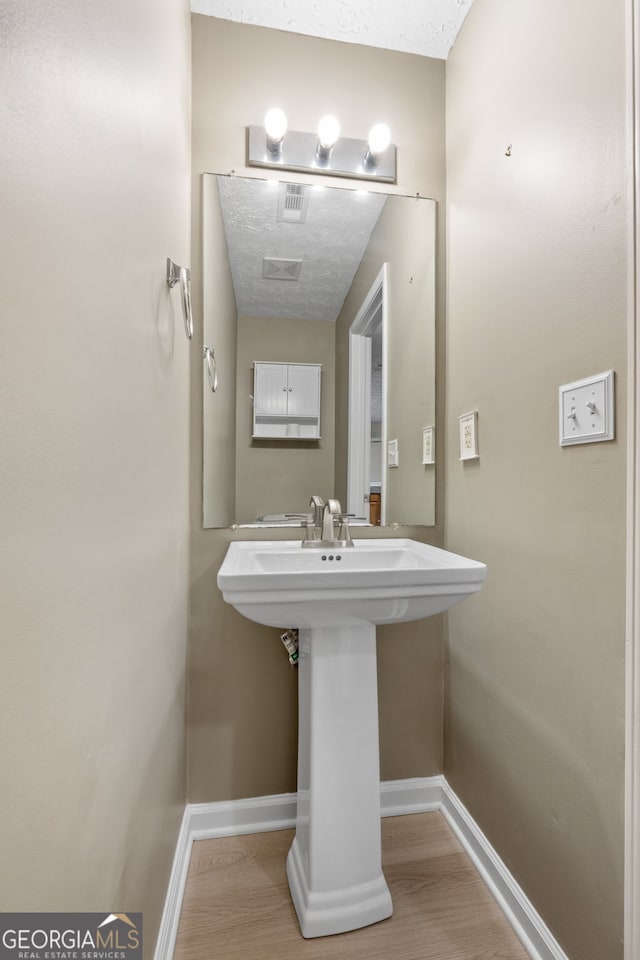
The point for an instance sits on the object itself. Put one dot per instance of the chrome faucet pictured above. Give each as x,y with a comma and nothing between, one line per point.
321,525
332,510
318,505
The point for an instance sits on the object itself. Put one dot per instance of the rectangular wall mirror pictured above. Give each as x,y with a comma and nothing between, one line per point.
307,283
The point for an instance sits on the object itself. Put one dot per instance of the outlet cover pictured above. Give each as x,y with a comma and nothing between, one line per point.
586,409
393,455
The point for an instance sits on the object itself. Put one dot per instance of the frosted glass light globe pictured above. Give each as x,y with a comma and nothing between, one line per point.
379,138
275,123
328,131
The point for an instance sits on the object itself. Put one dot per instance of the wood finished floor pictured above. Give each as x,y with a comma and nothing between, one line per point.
237,904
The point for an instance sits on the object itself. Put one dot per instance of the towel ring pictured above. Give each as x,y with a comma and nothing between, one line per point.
182,275
212,369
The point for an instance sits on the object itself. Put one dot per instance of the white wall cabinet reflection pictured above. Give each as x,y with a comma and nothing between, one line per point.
286,400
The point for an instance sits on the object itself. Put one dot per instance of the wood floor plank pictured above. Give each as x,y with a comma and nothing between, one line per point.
237,904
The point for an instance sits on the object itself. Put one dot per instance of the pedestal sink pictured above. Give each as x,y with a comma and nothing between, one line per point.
336,598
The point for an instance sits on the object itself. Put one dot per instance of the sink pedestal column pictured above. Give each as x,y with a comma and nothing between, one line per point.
334,865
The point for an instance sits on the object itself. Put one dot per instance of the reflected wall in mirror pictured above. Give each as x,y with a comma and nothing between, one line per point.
299,274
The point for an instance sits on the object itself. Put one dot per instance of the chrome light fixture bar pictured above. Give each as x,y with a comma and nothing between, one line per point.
374,159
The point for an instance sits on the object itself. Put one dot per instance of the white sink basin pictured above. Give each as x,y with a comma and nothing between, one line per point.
277,583
336,598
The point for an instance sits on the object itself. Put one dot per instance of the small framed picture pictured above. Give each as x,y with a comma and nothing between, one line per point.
428,445
469,436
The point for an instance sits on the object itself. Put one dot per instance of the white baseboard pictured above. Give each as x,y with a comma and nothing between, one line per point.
234,817
525,920
397,797
418,795
168,931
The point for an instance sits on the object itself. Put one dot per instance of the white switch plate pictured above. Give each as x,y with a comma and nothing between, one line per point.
393,457
468,426
586,410
428,445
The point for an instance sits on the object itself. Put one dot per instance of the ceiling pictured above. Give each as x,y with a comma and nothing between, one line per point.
329,242
424,27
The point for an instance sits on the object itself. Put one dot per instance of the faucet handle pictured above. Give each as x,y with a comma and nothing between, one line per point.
311,534
345,533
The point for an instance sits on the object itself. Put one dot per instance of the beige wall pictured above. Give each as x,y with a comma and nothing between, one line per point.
405,239
275,476
536,295
242,698
94,438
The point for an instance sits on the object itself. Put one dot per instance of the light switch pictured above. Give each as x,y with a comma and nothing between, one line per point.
587,410
393,457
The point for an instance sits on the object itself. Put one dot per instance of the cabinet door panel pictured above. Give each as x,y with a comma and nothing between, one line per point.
304,390
271,389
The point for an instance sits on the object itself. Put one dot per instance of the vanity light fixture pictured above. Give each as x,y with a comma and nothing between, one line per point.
274,145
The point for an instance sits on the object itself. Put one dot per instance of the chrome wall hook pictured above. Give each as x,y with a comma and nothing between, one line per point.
182,275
